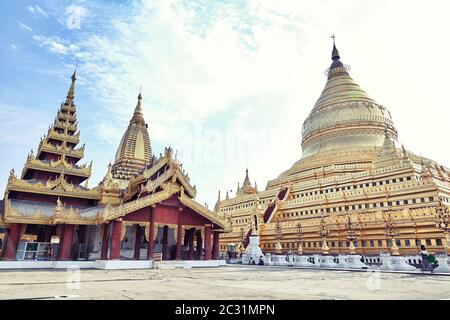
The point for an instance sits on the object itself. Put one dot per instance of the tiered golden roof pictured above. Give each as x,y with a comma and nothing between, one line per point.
57,152
165,179
53,170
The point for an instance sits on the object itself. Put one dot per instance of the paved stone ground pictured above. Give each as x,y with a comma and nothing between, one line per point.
231,282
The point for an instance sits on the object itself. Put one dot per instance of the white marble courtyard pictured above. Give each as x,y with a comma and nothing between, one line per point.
228,282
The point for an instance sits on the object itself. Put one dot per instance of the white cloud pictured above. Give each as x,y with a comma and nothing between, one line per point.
25,27
56,45
35,9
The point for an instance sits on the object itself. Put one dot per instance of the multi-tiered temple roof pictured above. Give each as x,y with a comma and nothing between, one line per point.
52,177
55,168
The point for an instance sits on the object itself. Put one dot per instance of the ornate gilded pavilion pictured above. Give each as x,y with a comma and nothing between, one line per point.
354,188
143,206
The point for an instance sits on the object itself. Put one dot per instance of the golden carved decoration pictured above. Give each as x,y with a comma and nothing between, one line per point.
143,224
58,166
61,149
124,209
58,187
205,212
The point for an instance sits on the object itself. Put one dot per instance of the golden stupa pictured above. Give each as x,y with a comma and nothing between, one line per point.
351,168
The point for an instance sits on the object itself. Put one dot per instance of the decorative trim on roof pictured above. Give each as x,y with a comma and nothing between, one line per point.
57,187
197,207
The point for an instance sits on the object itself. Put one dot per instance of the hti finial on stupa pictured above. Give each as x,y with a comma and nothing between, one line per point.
335,54
337,67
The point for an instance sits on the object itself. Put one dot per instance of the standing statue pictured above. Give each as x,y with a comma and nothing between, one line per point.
254,222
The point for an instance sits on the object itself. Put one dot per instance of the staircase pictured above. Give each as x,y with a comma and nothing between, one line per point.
272,208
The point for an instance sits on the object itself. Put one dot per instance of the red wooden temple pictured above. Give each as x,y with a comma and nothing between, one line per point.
144,206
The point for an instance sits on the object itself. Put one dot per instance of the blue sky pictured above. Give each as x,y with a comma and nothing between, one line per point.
227,83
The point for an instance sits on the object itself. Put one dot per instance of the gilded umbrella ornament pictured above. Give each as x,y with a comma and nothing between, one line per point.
278,235
323,232
442,223
299,233
350,233
391,231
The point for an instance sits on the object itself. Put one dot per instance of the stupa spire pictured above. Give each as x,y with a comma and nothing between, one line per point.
138,116
336,65
335,54
247,179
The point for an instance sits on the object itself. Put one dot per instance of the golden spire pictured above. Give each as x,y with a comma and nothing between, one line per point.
71,93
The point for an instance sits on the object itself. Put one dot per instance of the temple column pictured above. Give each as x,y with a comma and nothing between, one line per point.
164,244
137,243
104,254
208,228
48,234
178,252
215,245
191,243
65,243
151,234
11,241
199,245
115,239
40,234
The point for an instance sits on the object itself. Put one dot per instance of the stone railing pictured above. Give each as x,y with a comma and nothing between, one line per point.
382,262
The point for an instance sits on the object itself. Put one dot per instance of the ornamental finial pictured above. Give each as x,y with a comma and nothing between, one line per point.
335,54
71,93
137,115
